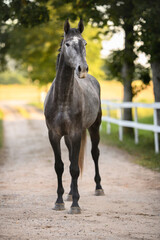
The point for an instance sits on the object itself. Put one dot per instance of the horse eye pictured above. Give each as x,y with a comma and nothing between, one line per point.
67,44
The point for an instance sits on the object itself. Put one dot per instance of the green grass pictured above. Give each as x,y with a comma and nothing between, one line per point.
143,153
1,129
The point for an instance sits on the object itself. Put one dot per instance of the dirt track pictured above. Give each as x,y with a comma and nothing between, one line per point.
130,208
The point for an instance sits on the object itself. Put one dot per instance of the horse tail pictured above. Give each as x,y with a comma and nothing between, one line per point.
82,150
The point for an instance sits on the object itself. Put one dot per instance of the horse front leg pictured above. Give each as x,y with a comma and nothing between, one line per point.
69,146
59,168
74,171
95,138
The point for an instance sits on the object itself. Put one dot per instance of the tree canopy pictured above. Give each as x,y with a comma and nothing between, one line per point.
148,28
18,12
36,48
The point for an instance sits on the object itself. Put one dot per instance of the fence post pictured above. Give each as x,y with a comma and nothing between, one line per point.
120,127
135,129
156,142
108,123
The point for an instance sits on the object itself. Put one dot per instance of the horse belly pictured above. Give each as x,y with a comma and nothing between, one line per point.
90,102
90,114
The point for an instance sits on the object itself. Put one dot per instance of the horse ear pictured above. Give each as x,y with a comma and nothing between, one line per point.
66,26
80,26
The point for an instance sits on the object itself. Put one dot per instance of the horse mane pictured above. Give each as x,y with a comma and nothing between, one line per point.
59,50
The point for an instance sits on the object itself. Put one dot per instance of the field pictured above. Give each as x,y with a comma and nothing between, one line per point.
109,90
113,90
20,92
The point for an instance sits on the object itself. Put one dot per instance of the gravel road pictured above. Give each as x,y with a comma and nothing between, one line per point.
130,208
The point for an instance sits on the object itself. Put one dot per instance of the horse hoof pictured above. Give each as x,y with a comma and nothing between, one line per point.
74,210
99,192
69,198
59,207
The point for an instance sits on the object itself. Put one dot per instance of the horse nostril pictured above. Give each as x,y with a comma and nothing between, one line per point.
87,69
79,68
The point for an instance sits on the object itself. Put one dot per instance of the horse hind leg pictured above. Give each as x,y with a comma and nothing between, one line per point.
95,138
59,168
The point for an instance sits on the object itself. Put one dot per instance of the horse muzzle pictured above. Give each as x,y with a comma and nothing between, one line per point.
82,71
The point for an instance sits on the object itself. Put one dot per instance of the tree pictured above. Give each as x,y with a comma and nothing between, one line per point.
36,49
113,68
18,12
149,35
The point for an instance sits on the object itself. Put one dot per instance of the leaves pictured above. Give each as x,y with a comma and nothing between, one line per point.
113,68
36,49
12,13
149,28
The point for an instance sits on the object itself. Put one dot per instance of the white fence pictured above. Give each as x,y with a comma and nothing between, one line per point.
108,105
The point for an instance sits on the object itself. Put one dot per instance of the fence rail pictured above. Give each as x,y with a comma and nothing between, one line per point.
108,106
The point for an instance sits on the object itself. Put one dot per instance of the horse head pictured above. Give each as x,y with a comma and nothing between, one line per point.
74,50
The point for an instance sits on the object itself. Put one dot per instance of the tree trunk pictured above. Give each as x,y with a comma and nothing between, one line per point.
128,71
127,94
155,66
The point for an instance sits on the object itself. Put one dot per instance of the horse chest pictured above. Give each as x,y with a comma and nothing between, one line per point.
64,121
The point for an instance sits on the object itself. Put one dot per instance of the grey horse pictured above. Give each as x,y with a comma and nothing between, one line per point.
73,105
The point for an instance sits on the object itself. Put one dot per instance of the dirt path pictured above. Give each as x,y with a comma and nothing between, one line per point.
130,208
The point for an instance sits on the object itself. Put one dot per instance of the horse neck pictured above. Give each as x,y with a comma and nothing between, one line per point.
64,81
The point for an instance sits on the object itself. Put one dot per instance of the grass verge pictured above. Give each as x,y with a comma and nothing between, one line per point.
143,152
1,129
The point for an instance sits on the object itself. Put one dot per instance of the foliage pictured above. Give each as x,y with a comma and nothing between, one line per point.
98,11
113,68
149,34
142,73
113,65
149,28
139,19
18,12
37,49
27,13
